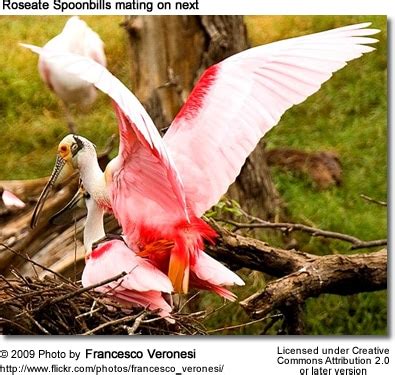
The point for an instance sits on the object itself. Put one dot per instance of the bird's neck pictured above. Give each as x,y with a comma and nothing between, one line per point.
94,226
93,178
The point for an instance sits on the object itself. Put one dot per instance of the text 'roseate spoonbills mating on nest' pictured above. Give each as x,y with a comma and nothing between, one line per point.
158,188
76,37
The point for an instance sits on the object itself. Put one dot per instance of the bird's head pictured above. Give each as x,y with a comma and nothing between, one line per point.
74,152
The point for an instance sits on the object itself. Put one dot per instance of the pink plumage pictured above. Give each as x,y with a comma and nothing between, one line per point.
143,285
159,188
207,273
244,97
76,37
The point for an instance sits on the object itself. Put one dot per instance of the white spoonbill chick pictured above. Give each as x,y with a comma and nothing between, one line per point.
78,38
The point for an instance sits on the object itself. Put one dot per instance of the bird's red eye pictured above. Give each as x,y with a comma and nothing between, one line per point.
63,148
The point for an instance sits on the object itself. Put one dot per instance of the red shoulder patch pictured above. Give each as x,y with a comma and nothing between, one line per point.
195,98
98,252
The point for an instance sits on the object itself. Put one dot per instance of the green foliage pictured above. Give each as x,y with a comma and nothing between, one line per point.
348,115
32,121
223,207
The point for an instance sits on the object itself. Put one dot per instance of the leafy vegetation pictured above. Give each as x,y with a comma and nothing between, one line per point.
348,115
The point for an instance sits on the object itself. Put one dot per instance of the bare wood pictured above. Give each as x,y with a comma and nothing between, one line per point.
17,233
83,290
237,252
335,274
32,261
316,232
25,189
162,72
373,200
302,275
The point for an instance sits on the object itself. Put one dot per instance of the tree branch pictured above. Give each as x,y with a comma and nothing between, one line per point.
335,274
373,200
302,275
85,289
289,227
237,252
27,259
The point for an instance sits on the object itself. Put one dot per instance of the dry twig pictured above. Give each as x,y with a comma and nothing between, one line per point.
315,232
256,222
370,199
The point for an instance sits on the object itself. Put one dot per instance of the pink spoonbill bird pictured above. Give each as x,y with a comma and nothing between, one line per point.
143,283
158,188
76,37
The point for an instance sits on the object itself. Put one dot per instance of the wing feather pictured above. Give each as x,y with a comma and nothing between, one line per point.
141,275
238,100
214,272
146,186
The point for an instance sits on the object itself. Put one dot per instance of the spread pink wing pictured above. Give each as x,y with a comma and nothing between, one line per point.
145,189
145,186
240,99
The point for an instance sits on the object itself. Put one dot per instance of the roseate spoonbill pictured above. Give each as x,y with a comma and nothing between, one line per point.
206,272
158,188
143,284
76,37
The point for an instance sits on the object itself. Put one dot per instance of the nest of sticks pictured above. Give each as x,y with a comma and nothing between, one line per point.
58,306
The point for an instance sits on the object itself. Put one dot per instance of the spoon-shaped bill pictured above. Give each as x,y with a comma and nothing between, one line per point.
59,164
